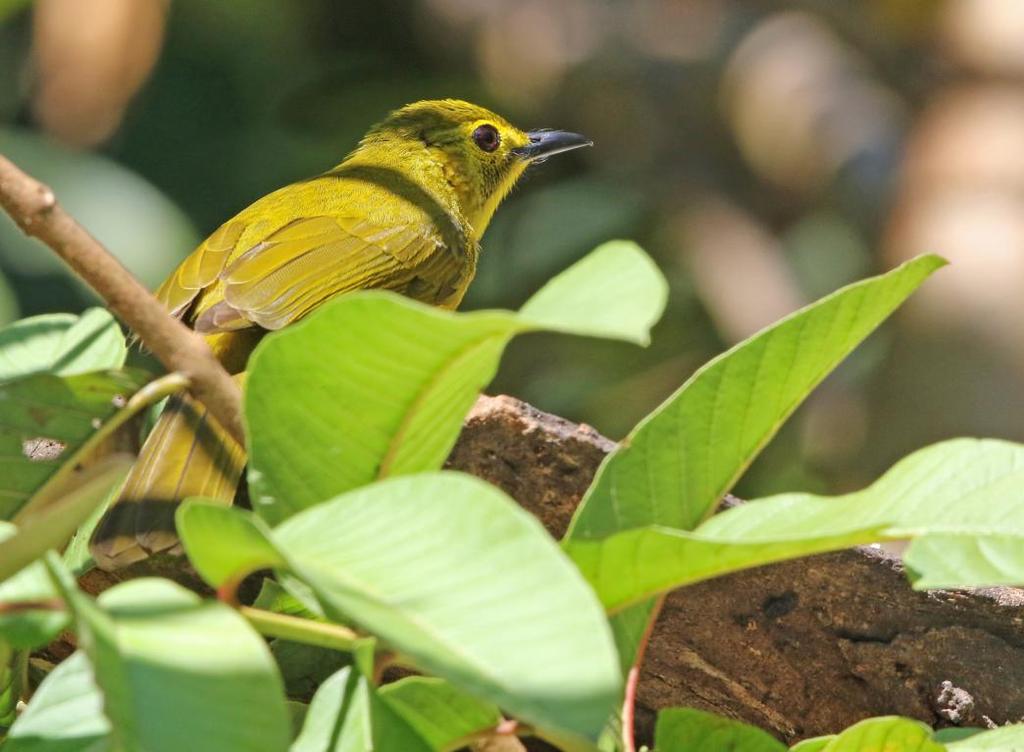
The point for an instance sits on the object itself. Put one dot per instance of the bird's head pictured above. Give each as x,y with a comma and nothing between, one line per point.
479,154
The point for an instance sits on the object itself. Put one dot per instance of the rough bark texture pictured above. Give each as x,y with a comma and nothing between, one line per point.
801,648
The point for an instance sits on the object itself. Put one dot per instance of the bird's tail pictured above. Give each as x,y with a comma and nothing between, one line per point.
187,454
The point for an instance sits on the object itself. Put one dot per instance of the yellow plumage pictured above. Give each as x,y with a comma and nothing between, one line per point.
403,212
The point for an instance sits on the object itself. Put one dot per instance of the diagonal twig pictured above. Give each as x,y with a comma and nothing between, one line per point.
34,208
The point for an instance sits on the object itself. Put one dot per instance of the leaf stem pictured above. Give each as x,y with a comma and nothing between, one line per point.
228,591
633,680
306,631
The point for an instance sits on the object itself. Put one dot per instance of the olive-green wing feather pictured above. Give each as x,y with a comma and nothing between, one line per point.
310,260
201,269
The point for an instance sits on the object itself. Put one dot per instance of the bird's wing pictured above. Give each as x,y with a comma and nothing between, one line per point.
312,259
201,269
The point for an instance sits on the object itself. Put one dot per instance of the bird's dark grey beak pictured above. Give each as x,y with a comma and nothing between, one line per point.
545,143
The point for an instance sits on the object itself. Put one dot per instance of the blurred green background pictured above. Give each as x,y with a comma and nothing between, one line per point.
764,152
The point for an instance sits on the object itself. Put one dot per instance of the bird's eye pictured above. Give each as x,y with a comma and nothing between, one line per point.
487,137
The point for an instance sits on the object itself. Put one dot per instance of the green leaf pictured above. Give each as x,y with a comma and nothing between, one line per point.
373,385
303,667
441,714
969,486
616,292
955,560
53,526
679,461
177,672
692,730
274,597
45,420
28,628
886,734
1003,739
817,744
486,600
955,733
13,683
77,556
65,714
206,529
952,490
634,565
347,715
61,344
23,579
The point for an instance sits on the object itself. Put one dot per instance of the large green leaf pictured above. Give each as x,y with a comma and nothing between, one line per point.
961,487
65,714
62,344
692,730
177,672
451,573
679,461
45,419
347,715
373,385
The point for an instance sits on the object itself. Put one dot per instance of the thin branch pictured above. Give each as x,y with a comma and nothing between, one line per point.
34,208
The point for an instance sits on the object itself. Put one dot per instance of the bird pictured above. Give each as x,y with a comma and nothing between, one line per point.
404,211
